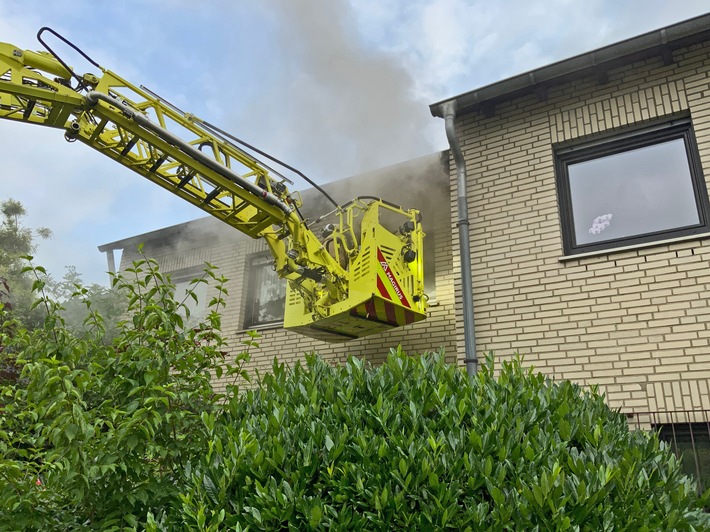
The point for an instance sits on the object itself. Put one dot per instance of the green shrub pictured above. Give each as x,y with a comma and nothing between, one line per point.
414,444
95,436
132,436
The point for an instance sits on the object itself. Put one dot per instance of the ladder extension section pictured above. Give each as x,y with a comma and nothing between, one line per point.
363,276
151,137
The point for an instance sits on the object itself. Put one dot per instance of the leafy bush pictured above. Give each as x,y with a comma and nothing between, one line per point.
132,435
415,444
93,435
17,241
94,298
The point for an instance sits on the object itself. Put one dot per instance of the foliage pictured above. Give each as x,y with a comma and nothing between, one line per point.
17,241
79,301
415,444
94,436
9,369
131,435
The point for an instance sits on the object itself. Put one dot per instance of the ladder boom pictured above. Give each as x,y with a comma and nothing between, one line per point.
139,130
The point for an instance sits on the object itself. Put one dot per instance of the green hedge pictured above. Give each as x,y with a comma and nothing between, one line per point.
414,444
132,436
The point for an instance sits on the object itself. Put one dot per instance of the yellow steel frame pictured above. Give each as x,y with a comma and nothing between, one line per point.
137,129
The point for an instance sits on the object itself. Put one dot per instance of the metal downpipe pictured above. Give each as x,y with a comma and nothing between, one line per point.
470,358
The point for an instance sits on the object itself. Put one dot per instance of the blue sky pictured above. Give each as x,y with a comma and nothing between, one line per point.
333,87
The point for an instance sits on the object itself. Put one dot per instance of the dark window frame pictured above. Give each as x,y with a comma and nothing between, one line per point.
253,279
588,150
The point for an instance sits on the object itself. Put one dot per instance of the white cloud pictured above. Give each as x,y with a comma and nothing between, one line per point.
453,46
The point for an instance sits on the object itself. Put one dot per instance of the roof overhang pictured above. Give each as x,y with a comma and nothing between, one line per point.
173,232
657,43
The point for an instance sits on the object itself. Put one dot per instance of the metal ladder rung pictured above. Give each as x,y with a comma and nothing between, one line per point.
185,180
28,110
239,208
157,164
212,195
99,129
129,146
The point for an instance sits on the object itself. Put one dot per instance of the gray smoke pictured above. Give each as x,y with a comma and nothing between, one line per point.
335,106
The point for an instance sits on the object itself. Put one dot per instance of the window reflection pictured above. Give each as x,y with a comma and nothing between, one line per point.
266,295
639,191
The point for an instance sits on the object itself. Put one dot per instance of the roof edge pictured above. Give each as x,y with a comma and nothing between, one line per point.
162,233
673,36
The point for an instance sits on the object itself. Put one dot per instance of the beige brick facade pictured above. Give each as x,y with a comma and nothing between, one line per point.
634,321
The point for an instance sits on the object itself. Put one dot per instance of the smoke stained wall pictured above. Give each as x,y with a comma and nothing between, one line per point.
421,183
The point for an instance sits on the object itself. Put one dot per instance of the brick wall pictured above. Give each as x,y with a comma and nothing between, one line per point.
635,322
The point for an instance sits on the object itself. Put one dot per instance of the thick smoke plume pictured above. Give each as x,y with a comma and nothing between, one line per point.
336,106
337,109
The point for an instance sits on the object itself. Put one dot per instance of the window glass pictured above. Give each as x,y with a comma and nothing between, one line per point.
266,295
691,442
640,191
637,188
197,309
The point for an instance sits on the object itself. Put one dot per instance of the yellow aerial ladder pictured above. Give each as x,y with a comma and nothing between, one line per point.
362,276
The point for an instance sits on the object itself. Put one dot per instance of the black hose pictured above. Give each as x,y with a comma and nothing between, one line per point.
81,84
264,154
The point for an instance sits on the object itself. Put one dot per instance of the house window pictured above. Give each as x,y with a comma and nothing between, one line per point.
638,187
266,295
430,256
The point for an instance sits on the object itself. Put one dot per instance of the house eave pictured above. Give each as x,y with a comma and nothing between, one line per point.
661,42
